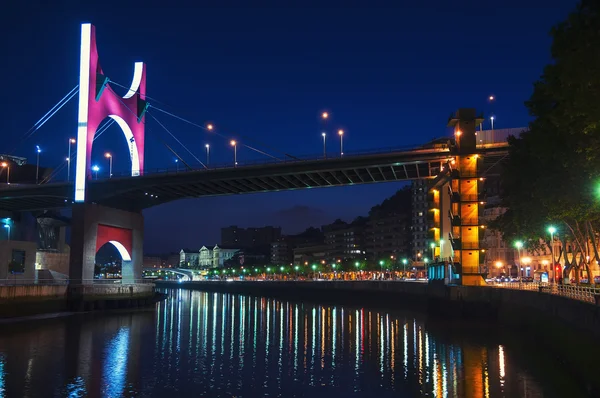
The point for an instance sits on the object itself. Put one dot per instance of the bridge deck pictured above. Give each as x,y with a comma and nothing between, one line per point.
137,193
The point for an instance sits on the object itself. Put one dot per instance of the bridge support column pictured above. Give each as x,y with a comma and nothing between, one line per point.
92,227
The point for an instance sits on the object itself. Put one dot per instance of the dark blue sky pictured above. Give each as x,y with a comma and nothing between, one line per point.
389,73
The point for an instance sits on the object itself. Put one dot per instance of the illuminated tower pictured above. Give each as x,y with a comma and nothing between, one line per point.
455,203
465,198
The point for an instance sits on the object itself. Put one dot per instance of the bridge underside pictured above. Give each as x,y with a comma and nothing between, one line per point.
137,193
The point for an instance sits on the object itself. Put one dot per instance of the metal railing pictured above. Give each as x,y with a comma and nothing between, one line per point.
423,148
575,292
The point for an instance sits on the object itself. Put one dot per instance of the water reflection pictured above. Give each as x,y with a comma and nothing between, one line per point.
211,344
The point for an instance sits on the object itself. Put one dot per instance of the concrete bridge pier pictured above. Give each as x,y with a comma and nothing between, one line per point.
92,227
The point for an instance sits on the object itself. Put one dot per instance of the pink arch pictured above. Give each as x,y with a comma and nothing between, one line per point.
98,101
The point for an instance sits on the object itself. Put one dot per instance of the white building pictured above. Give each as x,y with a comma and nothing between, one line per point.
206,258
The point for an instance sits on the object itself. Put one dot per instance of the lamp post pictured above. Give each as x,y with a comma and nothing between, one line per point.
492,120
109,157
7,226
519,246
95,169
37,168
207,146
324,146
4,164
404,262
71,142
341,134
234,145
552,230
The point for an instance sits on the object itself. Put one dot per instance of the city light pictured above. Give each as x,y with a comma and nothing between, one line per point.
209,127
552,229
518,244
325,115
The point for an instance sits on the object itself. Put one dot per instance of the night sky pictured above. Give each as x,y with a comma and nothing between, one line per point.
389,75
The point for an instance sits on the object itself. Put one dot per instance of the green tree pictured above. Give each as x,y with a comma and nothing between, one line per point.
553,172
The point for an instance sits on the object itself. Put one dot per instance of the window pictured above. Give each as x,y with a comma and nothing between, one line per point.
17,264
420,214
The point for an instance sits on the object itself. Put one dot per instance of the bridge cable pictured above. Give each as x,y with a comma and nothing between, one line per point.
204,128
48,115
222,135
164,143
175,138
62,165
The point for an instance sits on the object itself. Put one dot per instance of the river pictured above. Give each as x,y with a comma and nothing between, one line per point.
221,345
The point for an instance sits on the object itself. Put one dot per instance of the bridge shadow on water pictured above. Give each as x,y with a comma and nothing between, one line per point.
212,344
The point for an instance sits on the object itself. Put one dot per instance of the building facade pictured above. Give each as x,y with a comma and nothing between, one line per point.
420,221
389,236
343,240
310,254
205,257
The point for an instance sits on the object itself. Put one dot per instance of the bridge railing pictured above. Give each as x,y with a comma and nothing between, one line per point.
576,292
283,159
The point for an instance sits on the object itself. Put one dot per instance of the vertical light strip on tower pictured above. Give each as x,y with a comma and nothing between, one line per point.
82,119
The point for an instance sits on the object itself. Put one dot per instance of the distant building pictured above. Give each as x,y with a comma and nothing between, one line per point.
282,250
205,257
310,254
152,262
389,235
249,237
173,260
420,221
344,240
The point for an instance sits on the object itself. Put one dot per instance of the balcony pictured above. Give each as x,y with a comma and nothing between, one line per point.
456,197
455,221
470,221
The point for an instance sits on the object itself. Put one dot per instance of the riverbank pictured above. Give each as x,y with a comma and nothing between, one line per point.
28,300
567,328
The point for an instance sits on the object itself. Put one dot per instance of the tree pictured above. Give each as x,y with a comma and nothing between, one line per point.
553,172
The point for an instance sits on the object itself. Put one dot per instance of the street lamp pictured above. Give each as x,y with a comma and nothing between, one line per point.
7,226
519,246
37,168
96,169
432,245
404,262
492,120
109,157
552,231
71,142
234,145
324,146
341,134
207,146
4,164
177,164
210,127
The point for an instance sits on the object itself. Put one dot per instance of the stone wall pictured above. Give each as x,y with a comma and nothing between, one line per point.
32,292
57,262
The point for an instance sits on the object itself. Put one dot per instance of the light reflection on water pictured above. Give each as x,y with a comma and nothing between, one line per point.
208,344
